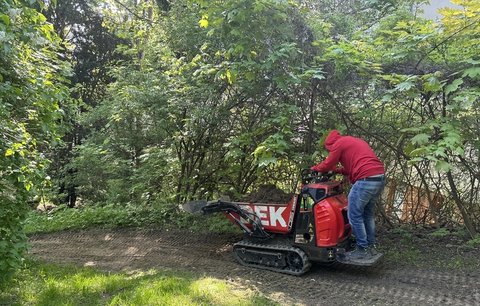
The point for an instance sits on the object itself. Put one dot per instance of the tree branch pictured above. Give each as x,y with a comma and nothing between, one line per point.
150,22
474,22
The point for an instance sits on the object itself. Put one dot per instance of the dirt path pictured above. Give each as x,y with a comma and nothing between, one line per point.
386,284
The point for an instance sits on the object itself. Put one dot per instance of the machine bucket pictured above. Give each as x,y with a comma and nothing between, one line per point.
194,207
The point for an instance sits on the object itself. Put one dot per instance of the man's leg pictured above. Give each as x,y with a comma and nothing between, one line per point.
357,200
369,213
361,214
369,221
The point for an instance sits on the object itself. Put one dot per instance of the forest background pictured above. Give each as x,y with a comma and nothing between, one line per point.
154,103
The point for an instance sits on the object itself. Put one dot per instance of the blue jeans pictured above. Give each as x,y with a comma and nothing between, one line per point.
361,210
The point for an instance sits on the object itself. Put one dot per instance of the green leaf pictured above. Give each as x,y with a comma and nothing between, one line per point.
338,51
260,150
404,86
5,19
454,86
432,84
250,76
471,72
421,139
442,166
440,152
418,152
387,97
471,61
318,76
263,162
9,152
459,151
408,149
229,77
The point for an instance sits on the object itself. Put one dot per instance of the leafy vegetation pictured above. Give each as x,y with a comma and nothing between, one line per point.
112,216
43,284
427,248
475,242
32,90
123,106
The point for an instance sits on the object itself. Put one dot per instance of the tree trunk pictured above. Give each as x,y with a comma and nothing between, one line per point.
466,218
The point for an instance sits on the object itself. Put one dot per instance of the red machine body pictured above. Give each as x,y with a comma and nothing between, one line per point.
329,214
331,221
286,237
275,217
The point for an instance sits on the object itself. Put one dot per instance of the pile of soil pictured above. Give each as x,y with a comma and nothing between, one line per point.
267,193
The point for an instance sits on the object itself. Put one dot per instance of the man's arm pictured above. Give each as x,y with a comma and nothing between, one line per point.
340,170
330,163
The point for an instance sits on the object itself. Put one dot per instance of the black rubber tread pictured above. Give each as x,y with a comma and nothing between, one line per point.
273,247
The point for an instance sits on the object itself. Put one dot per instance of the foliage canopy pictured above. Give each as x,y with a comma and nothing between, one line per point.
172,101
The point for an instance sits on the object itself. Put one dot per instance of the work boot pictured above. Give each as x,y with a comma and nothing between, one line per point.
373,249
358,254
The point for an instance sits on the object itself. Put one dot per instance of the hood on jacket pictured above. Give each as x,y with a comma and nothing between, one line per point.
332,137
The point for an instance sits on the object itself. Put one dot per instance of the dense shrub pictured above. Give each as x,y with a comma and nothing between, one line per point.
30,115
109,216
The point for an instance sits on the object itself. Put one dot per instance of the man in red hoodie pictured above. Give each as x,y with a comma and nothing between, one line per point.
367,175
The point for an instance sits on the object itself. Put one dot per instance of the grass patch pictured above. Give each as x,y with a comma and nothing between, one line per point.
475,242
440,233
430,248
47,284
111,216
405,255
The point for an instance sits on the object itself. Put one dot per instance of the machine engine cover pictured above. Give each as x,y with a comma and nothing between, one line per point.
331,223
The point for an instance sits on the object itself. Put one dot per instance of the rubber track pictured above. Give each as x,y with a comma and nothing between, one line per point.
270,247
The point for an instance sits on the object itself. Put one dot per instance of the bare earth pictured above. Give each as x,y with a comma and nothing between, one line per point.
127,250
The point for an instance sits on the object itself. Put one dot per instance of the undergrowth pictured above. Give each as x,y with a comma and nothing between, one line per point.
111,216
423,247
402,245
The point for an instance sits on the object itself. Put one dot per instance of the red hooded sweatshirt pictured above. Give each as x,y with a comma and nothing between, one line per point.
357,158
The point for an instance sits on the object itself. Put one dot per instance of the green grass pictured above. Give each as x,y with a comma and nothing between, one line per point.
111,216
441,232
407,255
475,242
431,248
47,284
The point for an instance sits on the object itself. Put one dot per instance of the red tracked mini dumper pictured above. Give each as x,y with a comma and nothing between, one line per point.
287,237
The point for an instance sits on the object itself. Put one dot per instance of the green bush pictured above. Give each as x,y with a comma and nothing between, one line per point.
475,242
165,216
13,242
441,232
31,88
